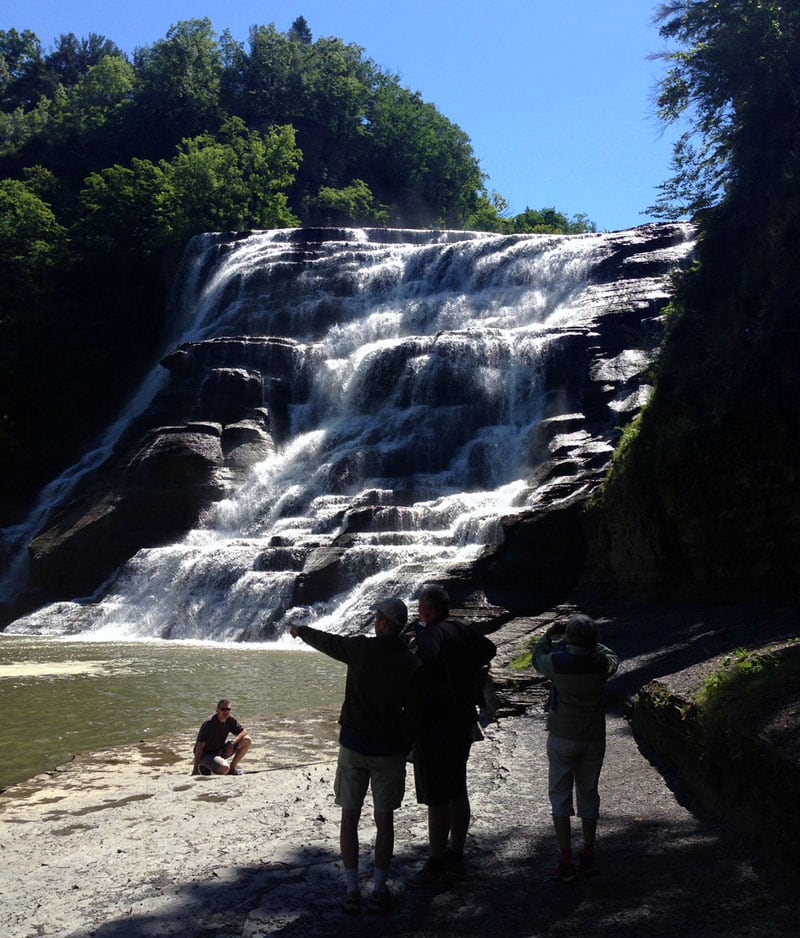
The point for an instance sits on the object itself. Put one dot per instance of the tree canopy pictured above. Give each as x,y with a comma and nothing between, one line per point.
734,76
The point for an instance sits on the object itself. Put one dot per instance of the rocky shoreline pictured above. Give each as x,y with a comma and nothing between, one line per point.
126,843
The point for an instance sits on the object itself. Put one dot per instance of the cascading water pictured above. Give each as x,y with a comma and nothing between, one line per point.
412,375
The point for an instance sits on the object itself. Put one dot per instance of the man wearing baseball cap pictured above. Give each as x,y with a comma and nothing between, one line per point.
380,713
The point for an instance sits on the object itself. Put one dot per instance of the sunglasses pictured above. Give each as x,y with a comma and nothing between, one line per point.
225,709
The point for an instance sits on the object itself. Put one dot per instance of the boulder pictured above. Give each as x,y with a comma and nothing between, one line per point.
150,498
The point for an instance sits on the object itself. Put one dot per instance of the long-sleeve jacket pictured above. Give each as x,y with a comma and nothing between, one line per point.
383,691
454,656
579,675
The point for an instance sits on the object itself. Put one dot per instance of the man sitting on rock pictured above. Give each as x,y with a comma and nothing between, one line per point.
222,743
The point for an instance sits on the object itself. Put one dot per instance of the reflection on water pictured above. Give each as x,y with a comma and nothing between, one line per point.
61,697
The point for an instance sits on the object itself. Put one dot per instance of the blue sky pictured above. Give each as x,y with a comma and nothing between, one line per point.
555,95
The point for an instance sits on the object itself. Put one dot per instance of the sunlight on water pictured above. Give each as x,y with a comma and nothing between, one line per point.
62,697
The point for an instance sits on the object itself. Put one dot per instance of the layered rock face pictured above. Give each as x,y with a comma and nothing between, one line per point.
354,413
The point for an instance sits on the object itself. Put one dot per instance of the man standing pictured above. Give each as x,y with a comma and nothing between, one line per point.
576,739
222,743
383,695
453,655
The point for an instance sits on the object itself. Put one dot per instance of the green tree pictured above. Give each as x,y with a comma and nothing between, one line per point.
491,214
300,31
32,249
422,162
72,58
90,123
264,85
550,221
236,182
707,479
19,128
30,241
21,69
179,81
734,76
353,205
124,210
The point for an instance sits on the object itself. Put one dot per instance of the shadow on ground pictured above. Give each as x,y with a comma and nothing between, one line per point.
657,880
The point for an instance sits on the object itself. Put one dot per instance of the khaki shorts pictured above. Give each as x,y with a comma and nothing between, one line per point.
574,765
356,772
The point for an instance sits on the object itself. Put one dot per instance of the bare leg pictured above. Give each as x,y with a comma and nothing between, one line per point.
460,816
348,837
240,752
384,839
438,829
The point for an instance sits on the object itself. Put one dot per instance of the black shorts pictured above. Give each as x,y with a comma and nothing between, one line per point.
440,763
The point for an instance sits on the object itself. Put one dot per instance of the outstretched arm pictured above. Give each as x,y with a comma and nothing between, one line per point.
335,646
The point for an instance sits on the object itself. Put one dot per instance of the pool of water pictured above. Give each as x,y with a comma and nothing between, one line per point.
60,697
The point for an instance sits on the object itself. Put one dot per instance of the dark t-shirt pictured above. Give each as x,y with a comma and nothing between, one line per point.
213,733
383,692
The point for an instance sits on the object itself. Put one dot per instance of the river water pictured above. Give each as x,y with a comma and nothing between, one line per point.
61,697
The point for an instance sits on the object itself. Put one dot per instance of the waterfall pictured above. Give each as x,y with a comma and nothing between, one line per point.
416,369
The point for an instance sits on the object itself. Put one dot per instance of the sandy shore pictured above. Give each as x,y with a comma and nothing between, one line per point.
127,843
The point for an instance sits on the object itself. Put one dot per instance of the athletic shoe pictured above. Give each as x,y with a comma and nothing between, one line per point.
430,876
351,904
204,770
586,864
454,867
564,872
382,901
236,771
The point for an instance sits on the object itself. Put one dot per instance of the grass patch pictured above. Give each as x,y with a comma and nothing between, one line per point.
523,661
729,699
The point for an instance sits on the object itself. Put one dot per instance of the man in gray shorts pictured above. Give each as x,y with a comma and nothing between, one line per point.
380,713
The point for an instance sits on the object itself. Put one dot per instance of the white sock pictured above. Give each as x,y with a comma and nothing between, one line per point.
379,883
351,880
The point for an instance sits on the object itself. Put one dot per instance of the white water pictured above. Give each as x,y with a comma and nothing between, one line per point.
416,387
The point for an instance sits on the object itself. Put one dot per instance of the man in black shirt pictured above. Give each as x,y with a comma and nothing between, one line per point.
379,716
222,743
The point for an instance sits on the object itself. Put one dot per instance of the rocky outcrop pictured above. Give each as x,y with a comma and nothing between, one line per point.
151,496
163,475
746,769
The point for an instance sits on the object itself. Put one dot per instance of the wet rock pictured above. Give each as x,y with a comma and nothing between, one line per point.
147,499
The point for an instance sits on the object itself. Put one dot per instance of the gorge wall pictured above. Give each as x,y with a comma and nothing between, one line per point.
349,413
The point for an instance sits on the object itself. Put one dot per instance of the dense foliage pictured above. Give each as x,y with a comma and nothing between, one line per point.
108,164
714,463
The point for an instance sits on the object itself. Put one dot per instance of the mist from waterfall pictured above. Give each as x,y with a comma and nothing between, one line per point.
416,388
